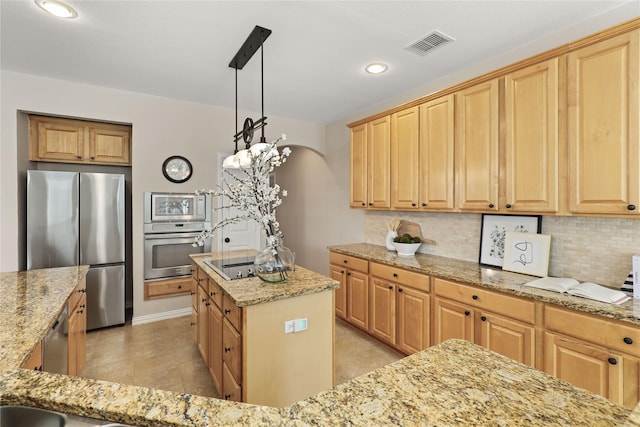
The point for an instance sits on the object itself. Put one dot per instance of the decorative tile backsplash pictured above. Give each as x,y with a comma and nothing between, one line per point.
588,249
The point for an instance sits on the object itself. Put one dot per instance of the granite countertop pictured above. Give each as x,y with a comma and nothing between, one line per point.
492,278
252,290
30,301
453,383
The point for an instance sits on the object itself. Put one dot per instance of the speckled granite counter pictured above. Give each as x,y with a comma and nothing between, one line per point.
454,383
491,278
252,290
30,301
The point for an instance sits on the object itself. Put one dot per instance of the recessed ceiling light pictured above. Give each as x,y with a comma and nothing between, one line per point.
57,8
376,68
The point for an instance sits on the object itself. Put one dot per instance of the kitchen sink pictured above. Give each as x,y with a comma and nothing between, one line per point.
23,416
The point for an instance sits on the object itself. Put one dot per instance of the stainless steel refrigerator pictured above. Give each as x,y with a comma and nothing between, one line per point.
78,219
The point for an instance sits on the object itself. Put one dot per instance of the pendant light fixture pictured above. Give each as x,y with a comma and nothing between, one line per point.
241,158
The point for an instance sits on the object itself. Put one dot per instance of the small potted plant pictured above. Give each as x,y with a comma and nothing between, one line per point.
407,245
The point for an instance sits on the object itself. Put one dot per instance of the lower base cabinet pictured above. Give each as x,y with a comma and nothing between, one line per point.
215,318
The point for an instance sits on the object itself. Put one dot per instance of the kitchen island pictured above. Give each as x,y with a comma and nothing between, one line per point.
453,383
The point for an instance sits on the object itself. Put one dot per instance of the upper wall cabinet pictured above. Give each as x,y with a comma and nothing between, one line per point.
476,142
405,158
602,126
531,139
76,141
371,164
435,187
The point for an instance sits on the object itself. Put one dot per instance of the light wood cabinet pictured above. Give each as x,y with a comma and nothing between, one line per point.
167,288
379,162
202,327
532,138
585,365
500,322
371,164
476,145
603,136
359,167
215,320
353,274
436,171
34,361
77,330
232,351
399,307
53,139
405,158
337,272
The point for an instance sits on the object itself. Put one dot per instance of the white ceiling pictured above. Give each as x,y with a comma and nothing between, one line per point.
313,61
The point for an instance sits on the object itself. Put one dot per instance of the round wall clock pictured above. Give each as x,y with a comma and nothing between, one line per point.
177,169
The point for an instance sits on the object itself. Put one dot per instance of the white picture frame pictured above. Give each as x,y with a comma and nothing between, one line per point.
527,253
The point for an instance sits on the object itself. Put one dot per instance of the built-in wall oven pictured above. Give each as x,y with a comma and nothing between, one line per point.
172,221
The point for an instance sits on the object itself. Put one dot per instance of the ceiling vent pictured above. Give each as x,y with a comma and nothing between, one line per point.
429,43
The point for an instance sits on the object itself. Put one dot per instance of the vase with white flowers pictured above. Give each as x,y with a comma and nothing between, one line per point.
251,193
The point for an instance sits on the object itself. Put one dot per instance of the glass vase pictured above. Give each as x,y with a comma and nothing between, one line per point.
273,264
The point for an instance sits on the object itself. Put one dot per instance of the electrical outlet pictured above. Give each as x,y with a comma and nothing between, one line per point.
300,325
289,326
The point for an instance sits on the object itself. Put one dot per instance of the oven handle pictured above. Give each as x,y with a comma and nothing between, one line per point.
161,236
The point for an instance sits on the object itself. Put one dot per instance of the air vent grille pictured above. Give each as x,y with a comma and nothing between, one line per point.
429,43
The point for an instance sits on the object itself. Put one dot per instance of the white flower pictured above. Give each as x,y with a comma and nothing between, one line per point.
251,193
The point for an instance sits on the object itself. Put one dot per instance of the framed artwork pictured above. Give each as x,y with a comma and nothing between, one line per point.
527,253
492,234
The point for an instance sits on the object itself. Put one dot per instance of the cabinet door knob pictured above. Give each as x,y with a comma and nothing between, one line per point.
364,204
227,349
227,311
508,206
390,287
413,204
213,294
631,207
627,340
348,274
341,271
483,318
395,275
227,240
424,204
79,157
467,312
179,286
491,205
612,360
370,204
475,297
399,289
227,396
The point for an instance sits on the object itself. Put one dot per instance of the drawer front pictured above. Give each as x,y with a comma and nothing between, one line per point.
215,293
398,275
597,330
231,390
349,262
232,312
76,295
232,350
194,271
509,306
166,288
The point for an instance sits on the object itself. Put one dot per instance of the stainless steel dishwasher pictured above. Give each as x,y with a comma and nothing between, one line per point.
55,347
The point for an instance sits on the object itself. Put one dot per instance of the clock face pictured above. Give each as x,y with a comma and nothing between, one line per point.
177,169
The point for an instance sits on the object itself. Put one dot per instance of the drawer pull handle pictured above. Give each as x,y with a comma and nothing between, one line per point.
612,361
341,271
631,207
395,274
227,396
345,261
193,323
227,349
475,297
179,286
467,312
627,340
483,318
227,311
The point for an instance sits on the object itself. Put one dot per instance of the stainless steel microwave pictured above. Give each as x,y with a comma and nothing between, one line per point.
176,207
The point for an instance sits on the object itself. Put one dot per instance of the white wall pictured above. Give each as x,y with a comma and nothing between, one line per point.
161,127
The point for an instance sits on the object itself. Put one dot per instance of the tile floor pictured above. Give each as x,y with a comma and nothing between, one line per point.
164,355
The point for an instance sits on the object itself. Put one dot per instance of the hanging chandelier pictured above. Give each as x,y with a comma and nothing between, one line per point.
242,158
